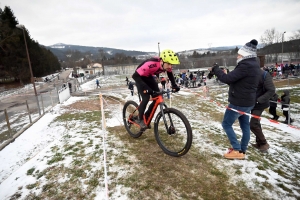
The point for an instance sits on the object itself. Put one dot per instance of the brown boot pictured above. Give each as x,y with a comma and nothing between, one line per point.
233,154
255,145
264,147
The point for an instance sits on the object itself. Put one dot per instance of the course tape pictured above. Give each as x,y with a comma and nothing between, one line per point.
240,112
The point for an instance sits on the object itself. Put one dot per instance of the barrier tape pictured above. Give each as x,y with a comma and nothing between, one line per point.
242,113
104,147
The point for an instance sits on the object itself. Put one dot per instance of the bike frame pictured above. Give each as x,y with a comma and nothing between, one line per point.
159,101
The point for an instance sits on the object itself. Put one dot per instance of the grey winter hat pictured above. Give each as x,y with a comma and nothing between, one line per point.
249,49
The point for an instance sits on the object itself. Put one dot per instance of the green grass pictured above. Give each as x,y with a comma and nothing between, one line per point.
140,166
30,171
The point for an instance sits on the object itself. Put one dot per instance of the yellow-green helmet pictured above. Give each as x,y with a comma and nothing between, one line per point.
169,56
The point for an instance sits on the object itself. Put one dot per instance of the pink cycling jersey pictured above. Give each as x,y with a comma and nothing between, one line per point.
151,68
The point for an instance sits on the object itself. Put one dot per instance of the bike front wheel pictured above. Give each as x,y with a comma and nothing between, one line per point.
174,134
131,113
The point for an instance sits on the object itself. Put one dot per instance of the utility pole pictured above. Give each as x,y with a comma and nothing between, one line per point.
282,47
30,69
158,50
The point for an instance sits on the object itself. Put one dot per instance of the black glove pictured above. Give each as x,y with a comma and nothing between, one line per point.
214,67
212,72
175,88
210,75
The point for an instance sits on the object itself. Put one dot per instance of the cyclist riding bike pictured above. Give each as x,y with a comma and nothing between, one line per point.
146,84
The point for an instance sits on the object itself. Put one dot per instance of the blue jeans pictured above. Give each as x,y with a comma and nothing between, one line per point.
244,120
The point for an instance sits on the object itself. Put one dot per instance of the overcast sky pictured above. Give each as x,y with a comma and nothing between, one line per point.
140,24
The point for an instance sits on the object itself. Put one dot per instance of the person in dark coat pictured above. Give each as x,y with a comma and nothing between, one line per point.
285,106
265,90
97,84
130,87
273,106
191,76
243,82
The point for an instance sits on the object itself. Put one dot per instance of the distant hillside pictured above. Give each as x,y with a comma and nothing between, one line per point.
213,49
61,50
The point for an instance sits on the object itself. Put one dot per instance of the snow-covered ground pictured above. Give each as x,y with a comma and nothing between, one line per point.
31,148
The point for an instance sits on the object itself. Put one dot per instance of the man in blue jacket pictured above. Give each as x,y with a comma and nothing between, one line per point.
243,82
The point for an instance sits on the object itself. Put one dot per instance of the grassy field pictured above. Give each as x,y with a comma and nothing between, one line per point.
138,168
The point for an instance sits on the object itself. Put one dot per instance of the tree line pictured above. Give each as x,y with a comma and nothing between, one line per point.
13,56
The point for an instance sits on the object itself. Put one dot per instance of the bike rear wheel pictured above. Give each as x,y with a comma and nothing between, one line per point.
174,136
130,112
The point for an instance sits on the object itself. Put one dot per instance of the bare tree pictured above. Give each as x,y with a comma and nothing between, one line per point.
296,35
270,36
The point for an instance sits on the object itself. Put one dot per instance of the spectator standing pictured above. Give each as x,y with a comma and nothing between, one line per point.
297,68
127,80
70,86
183,75
292,68
186,81
168,87
242,81
265,90
285,105
194,81
131,87
285,70
273,106
97,84
191,76
279,72
198,75
163,82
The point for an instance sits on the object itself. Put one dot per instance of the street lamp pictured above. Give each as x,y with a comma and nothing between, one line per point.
158,49
31,74
282,47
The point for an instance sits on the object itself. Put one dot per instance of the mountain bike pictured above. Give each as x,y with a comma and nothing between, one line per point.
172,130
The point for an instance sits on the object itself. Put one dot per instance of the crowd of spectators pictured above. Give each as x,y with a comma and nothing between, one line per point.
283,70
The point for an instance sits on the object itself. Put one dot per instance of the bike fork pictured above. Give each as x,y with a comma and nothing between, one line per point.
165,120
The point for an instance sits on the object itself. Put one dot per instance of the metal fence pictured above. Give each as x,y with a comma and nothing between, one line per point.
23,113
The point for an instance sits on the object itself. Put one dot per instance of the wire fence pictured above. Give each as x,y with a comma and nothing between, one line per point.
21,114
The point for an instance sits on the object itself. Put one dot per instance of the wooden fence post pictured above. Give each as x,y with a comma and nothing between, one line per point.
28,112
42,104
7,122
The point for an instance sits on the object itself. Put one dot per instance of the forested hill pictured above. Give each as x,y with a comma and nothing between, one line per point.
61,50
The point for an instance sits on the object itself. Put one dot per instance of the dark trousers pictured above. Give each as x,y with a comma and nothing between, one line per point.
151,83
286,114
255,127
272,111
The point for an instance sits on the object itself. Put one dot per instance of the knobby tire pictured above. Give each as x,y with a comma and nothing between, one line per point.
130,109
174,140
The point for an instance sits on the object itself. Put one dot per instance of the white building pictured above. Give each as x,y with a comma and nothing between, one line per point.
93,68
